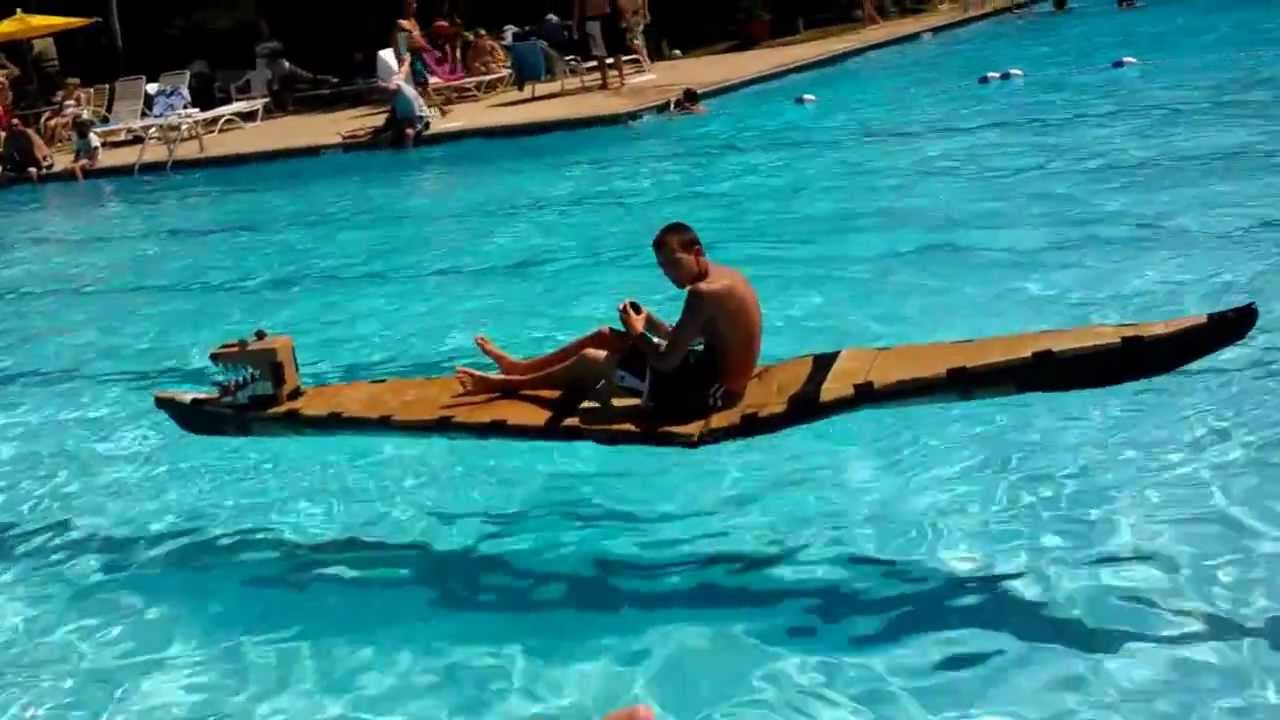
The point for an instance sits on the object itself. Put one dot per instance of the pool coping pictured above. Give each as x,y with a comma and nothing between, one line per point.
535,127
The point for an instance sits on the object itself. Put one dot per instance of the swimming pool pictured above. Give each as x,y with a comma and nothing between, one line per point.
1101,554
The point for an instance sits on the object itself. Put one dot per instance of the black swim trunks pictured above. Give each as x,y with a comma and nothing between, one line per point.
693,386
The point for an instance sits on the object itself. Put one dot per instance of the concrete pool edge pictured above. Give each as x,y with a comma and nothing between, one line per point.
535,127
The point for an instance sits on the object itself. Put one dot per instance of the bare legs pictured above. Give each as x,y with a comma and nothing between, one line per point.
869,14
78,167
587,359
605,339
604,71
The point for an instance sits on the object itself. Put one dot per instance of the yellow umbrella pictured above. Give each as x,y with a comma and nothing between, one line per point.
25,27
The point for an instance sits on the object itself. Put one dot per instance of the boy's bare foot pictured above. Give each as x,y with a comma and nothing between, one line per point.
507,364
474,382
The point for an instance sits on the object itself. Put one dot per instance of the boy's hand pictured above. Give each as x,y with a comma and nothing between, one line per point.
633,322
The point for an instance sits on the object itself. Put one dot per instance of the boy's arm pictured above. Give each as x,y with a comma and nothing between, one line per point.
688,329
654,326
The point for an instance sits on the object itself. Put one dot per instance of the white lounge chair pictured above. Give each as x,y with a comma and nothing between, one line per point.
126,108
101,97
470,88
174,127
170,130
181,78
230,113
630,63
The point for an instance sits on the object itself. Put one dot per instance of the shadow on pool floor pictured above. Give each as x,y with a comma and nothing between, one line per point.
908,598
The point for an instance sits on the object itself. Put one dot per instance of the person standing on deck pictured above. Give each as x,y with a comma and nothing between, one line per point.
601,20
635,16
869,14
407,41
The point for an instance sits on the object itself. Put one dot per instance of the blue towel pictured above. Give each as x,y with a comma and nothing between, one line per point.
527,62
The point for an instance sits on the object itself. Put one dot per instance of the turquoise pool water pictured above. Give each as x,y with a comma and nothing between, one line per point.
1107,554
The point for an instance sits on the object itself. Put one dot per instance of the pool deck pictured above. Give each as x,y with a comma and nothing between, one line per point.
514,113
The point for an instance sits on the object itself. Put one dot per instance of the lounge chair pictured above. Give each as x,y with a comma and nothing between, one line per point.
629,63
469,88
98,105
170,130
125,120
230,113
126,108
178,125
180,78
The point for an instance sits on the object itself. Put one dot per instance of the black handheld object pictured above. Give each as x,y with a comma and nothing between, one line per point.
635,306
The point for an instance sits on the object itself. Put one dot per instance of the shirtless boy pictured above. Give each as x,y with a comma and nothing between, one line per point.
650,357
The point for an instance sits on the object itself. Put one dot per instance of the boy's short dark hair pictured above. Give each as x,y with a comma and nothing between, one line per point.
690,96
679,236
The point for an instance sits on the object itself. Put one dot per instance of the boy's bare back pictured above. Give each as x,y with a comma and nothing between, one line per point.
732,329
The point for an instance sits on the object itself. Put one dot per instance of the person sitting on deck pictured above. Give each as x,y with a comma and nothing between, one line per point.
56,124
671,375
24,152
486,56
553,32
444,52
285,75
87,147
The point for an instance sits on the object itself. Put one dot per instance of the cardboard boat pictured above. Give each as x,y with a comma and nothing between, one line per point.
269,399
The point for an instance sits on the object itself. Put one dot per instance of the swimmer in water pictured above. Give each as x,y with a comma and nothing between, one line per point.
688,102
1060,5
1125,4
